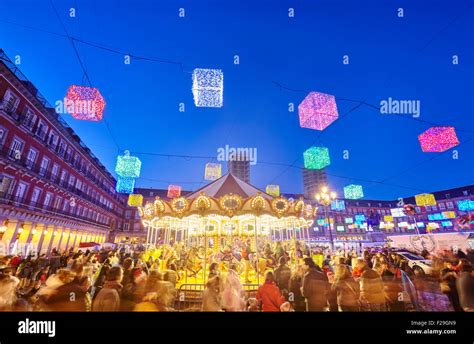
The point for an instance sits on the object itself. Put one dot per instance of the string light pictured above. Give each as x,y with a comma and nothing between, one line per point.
85,103
317,111
128,166
212,171
438,139
316,158
353,191
208,87
125,185
273,190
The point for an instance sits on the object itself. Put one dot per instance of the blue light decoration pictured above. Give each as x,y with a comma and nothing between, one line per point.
128,166
349,220
208,87
125,185
321,222
340,228
420,224
338,205
438,216
353,191
316,158
465,205
446,224
360,217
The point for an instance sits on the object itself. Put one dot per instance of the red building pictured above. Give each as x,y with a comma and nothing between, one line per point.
54,193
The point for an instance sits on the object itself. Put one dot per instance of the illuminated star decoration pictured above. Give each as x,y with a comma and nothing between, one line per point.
128,166
317,111
174,191
135,200
438,139
316,158
208,87
212,171
425,199
353,191
84,103
273,190
125,185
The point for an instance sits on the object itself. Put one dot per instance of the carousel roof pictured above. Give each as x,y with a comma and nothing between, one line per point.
229,184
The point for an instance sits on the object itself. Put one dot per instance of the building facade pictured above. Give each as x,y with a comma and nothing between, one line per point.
54,193
240,169
313,180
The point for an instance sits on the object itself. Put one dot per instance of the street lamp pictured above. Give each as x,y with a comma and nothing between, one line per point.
325,198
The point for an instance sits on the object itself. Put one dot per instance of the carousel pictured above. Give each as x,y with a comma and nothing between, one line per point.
227,223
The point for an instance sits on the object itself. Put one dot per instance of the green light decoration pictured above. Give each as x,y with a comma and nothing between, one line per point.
353,191
316,158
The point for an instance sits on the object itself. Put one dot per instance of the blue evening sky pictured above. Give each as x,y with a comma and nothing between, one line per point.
407,58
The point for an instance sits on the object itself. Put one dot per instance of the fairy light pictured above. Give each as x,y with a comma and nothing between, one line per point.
353,191
128,166
85,103
317,111
135,200
273,190
125,185
316,158
438,139
212,171
208,87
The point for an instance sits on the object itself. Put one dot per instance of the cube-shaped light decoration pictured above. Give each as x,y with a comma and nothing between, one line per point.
465,205
212,171
425,199
273,190
338,205
353,191
125,185
174,191
317,111
135,200
316,158
84,103
128,166
208,87
438,139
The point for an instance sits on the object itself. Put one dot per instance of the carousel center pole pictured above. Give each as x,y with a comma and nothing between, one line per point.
205,252
256,252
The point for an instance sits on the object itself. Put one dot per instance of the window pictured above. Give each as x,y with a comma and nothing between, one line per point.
16,149
441,206
68,153
62,149
44,166
30,119
31,158
47,199
126,226
55,171
78,184
41,130
20,191
128,214
53,139
35,196
72,179
450,205
76,160
3,135
10,101
57,202
136,226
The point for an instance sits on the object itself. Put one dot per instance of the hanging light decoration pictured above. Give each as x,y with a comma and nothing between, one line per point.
208,87
425,199
174,191
317,111
273,190
438,139
338,205
125,185
128,166
135,200
353,191
316,158
212,171
84,103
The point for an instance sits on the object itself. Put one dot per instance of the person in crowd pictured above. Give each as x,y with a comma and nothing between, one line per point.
447,279
211,298
294,290
465,287
372,294
268,294
347,289
108,298
232,291
8,287
213,270
392,289
282,274
315,287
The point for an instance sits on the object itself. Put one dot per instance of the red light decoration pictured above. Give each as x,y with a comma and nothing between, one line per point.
438,139
84,103
174,191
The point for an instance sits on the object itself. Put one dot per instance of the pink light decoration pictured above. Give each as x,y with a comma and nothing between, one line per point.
174,191
84,103
438,139
317,111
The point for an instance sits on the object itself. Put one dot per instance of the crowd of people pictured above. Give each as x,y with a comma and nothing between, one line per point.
294,278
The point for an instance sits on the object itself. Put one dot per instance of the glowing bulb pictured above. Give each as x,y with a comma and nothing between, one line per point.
33,231
45,232
20,230
3,229
324,189
333,195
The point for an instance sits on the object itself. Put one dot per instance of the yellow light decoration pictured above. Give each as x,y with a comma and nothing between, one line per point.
280,205
273,190
135,200
230,203
425,199
258,203
212,171
388,218
179,205
159,205
149,209
202,202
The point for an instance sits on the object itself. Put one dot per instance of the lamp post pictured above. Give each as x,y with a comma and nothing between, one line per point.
324,198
